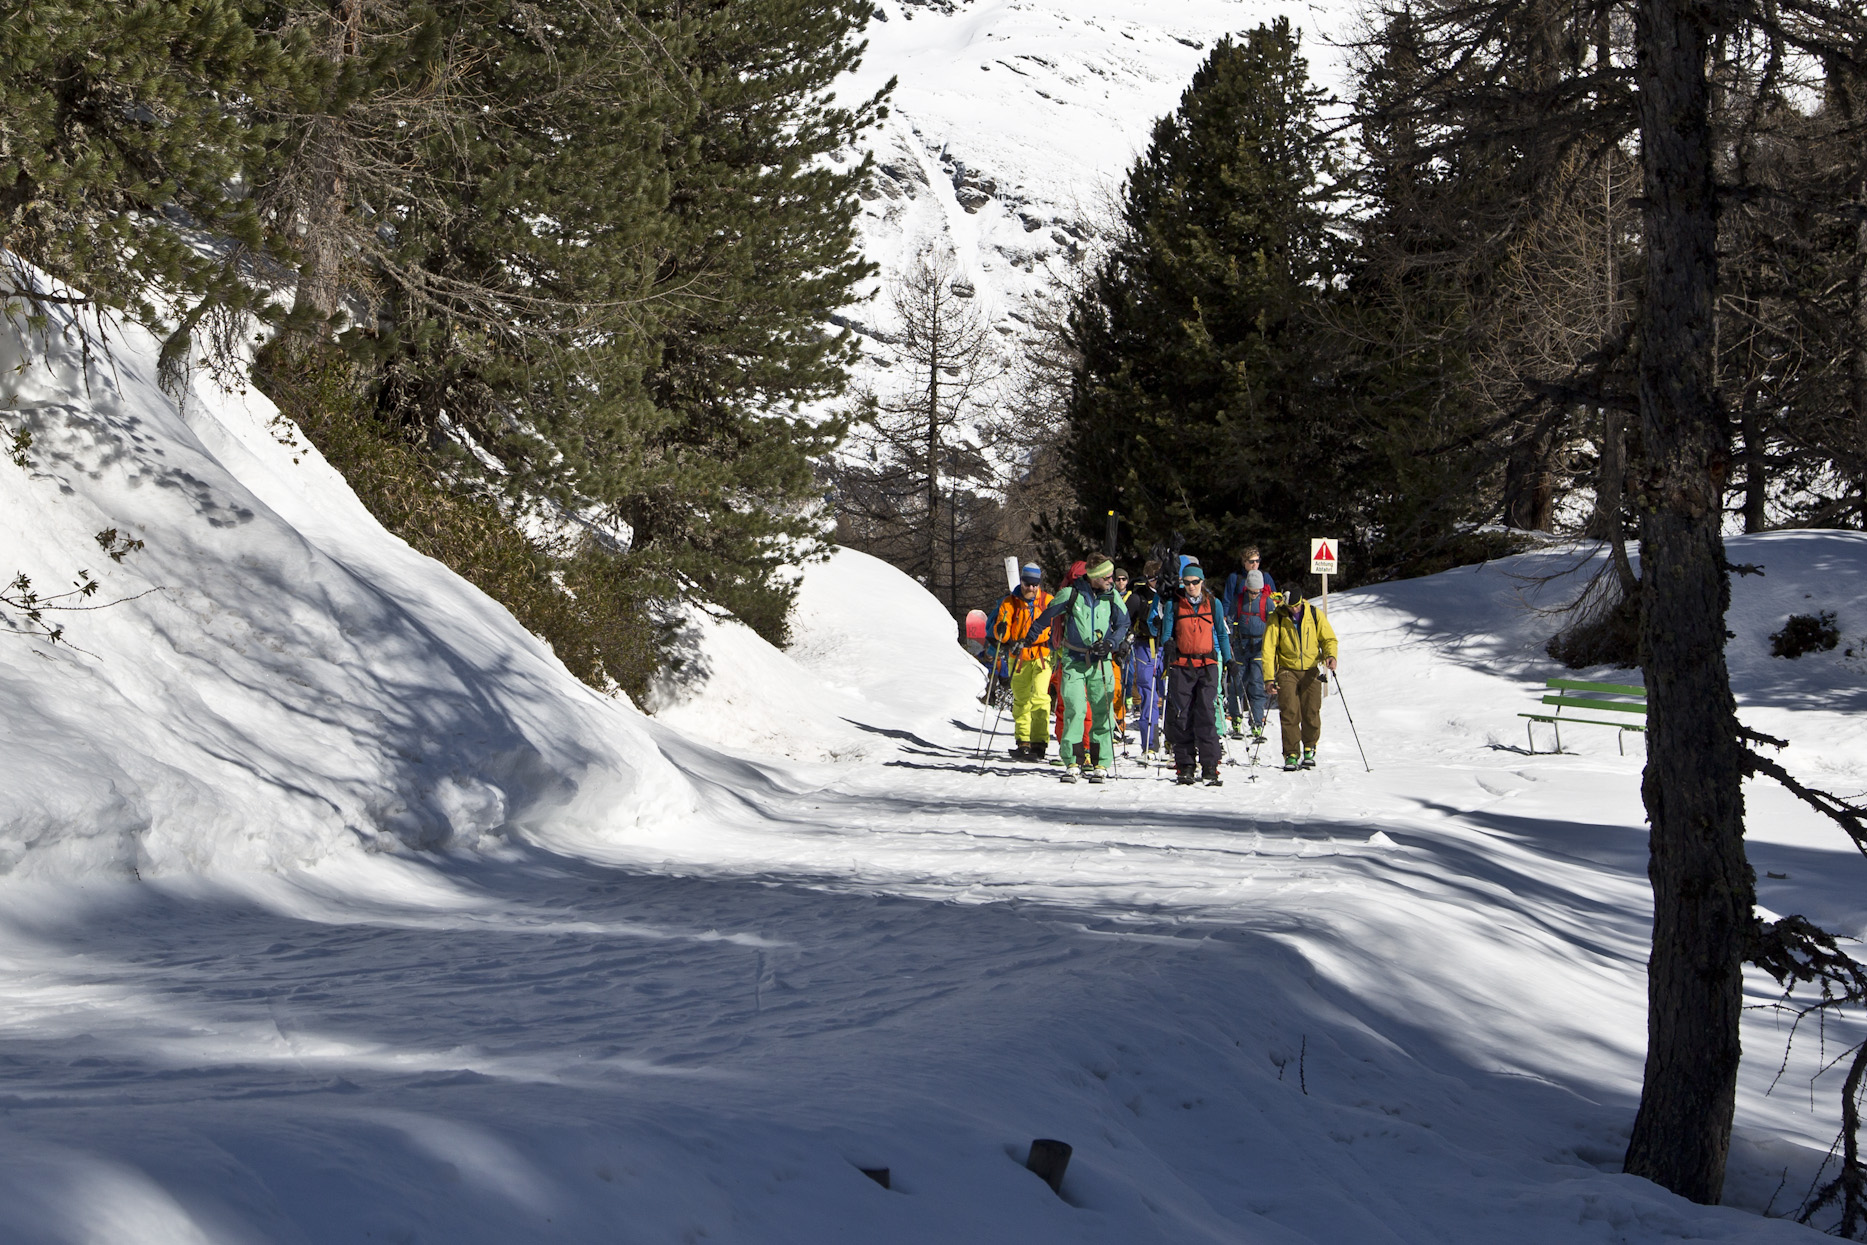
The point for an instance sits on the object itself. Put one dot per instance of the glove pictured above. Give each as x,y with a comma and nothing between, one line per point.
1100,650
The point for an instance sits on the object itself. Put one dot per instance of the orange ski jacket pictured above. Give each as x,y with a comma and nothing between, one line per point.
1015,616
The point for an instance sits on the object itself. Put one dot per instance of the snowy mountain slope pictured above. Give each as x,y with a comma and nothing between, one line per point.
1014,123
289,680
1339,1006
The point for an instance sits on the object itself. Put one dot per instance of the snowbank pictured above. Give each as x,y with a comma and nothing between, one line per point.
872,655
289,680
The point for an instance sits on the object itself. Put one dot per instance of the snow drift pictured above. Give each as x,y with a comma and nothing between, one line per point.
872,654
288,680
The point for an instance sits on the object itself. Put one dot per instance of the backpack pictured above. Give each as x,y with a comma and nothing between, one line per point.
1253,621
1192,632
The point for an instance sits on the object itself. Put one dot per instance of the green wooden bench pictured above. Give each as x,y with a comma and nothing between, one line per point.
1596,698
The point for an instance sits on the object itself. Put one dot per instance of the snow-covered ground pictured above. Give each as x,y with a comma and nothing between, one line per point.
336,911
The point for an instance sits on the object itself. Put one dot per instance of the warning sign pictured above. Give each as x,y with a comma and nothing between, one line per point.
1322,556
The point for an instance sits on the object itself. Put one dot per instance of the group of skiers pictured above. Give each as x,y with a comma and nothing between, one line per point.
1180,655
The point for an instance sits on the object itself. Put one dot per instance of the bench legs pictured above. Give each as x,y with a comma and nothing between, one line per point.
1529,733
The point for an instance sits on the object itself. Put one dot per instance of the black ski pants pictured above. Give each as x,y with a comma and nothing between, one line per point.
1192,699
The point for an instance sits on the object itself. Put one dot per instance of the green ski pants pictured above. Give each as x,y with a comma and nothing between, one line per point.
1089,684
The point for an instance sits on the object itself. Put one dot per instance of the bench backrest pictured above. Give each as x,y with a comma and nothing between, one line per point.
1633,699
1624,689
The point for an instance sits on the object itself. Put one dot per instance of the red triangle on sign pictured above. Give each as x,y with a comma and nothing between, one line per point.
1324,554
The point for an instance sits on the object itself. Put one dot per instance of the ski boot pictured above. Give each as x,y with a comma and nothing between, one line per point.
1185,776
1236,731
1097,774
1211,777
1071,774
1257,734
1022,752
1292,763
1309,758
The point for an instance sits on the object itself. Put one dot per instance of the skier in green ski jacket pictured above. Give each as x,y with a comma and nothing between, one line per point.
1094,624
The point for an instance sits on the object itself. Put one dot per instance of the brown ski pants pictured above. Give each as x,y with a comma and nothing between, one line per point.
1299,708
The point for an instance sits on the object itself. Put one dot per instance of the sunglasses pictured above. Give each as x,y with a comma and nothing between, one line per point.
1193,581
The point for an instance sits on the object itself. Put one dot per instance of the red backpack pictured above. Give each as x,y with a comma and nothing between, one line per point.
1192,632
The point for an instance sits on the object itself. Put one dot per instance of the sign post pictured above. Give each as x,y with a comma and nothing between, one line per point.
1323,560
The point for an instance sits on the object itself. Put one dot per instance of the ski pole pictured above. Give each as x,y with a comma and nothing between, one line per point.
978,753
985,701
997,719
1351,721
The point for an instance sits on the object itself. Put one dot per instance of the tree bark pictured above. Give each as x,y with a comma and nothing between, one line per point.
1702,885
1756,469
1611,498
1857,357
1529,485
327,191
936,331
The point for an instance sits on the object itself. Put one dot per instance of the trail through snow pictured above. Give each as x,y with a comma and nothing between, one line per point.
336,911
1330,1007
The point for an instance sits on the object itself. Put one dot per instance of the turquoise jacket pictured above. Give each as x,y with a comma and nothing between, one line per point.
1087,616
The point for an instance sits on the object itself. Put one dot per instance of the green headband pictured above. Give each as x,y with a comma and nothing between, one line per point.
1104,567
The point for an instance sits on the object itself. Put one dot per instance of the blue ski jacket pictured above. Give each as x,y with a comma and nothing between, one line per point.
1233,595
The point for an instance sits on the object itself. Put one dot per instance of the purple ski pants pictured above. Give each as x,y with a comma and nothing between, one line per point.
1145,678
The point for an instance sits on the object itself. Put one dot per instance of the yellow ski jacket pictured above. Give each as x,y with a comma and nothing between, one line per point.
1297,644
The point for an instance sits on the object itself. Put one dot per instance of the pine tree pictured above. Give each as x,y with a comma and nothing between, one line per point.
618,285
1203,399
764,207
126,129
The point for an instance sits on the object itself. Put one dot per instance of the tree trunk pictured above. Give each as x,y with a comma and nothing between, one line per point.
1702,885
326,199
1857,357
1756,471
1529,491
1611,497
933,457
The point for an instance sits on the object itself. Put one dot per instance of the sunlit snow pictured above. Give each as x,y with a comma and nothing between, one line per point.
337,911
